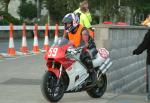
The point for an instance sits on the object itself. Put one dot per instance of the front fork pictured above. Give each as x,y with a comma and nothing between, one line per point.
59,77
56,71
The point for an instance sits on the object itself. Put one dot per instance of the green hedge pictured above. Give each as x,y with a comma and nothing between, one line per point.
7,19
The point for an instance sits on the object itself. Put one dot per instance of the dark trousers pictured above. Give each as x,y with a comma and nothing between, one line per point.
86,60
148,81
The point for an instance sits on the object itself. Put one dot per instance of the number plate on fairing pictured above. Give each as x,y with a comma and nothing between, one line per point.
52,52
103,53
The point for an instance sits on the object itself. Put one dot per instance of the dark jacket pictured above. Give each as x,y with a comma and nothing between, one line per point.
145,45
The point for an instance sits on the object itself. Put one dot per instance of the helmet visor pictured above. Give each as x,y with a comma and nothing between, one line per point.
67,20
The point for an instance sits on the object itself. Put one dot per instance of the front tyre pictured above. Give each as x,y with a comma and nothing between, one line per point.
99,90
50,90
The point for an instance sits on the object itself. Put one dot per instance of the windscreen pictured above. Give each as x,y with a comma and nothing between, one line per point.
61,41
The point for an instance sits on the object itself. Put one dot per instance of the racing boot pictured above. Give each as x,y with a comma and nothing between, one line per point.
92,72
92,75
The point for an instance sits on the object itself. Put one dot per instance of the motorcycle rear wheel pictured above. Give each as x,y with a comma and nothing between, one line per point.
98,91
49,89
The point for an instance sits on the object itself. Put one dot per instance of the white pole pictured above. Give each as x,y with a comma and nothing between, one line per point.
38,15
100,13
48,18
119,5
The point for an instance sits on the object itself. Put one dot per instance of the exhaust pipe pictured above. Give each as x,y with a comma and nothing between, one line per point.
107,67
104,68
104,64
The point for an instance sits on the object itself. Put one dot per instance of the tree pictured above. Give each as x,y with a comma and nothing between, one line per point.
142,6
27,10
138,8
108,9
118,10
5,4
39,7
113,10
57,9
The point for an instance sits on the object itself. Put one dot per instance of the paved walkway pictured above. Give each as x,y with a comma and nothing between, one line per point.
20,83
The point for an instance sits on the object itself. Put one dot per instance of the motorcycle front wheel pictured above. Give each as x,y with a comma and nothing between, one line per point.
50,90
98,90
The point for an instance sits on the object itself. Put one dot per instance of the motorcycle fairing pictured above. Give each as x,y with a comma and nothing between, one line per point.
76,70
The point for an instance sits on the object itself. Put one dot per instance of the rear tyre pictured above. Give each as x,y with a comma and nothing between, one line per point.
98,90
50,90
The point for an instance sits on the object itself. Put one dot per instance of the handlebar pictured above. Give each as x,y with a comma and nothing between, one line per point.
74,51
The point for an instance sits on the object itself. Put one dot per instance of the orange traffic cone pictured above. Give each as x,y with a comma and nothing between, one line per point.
11,49
56,33
35,43
1,55
46,41
24,48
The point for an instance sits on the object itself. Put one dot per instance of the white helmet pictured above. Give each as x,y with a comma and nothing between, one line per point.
72,19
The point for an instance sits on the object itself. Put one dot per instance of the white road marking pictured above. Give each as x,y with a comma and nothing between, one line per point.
18,55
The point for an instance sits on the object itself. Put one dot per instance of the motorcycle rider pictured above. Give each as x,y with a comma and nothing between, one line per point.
79,36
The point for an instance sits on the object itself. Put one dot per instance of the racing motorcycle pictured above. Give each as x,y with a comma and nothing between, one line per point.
67,74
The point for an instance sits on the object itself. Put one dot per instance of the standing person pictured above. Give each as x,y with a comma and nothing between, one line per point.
145,45
85,16
79,36
146,22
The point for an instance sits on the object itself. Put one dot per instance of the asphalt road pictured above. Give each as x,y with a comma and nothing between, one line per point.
20,83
